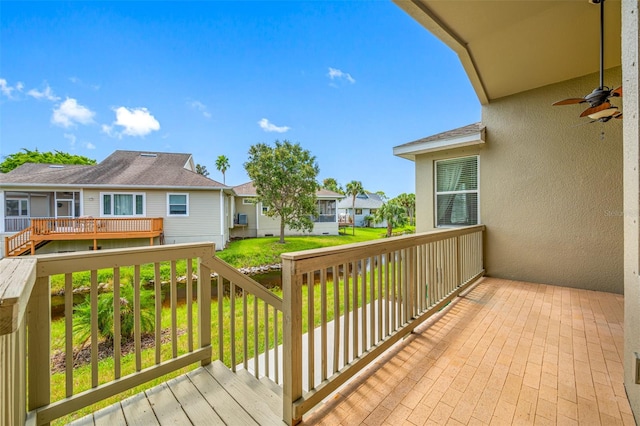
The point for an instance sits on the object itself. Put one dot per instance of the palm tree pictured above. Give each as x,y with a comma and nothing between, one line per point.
393,213
354,188
222,164
408,201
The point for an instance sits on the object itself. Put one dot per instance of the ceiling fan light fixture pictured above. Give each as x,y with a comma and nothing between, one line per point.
609,112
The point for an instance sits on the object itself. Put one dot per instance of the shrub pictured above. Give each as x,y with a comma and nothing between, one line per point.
82,314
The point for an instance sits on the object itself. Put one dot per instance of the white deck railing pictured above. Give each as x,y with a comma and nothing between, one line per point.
362,298
341,308
25,326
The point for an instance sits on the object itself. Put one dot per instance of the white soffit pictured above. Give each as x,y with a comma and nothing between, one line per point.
508,47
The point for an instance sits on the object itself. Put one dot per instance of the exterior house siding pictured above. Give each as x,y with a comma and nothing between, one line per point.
550,192
271,227
251,230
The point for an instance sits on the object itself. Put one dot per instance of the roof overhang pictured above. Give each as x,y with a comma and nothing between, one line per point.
507,47
443,141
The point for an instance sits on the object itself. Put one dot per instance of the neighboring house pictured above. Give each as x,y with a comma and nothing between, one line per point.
129,199
548,186
250,218
366,205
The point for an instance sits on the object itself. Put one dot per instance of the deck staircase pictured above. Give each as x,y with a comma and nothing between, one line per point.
209,395
20,243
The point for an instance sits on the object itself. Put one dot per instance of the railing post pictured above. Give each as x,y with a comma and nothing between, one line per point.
18,277
292,340
39,346
204,306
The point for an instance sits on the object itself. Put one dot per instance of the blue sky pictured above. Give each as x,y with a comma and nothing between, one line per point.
347,80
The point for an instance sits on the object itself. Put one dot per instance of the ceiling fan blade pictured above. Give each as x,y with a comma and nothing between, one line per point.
593,110
569,101
617,92
618,116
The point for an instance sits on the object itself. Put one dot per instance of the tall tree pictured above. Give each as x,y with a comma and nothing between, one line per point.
17,159
222,164
332,185
408,201
285,180
354,188
394,214
202,170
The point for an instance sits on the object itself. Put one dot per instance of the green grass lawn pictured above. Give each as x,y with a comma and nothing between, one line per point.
267,251
243,253
240,254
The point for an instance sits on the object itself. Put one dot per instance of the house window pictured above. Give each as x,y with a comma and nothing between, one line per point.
265,209
177,204
114,204
326,211
358,211
248,201
457,191
17,207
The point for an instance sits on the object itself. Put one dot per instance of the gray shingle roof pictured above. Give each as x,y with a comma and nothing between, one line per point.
455,133
370,200
249,190
122,168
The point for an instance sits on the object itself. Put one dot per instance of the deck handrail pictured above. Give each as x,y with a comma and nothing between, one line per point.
49,228
370,296
25,324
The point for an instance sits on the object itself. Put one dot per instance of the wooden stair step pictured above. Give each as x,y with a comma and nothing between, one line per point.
275,388
273,399
217,397
255,404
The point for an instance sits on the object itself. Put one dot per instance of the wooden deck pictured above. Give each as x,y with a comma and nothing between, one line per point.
43,230
210,395
505,352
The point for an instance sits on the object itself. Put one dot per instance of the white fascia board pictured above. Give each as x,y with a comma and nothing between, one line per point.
105,186
410,152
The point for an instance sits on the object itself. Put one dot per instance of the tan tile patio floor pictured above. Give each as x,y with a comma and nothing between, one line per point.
505,353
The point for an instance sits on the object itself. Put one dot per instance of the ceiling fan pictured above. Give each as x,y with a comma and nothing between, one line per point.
600,109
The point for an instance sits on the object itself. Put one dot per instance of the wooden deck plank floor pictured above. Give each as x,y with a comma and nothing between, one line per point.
209,395
505,353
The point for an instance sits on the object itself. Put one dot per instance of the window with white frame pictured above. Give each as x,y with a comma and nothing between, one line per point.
177,204
16,207
121,204
265,209
457,191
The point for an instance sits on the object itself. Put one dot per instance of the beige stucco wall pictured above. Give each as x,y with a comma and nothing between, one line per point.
551,193
550,190
630,56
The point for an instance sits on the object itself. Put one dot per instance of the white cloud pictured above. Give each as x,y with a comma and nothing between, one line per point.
47,94
7,90
70,113
199,106
76,80
134,121
270,127
336,74
71,138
